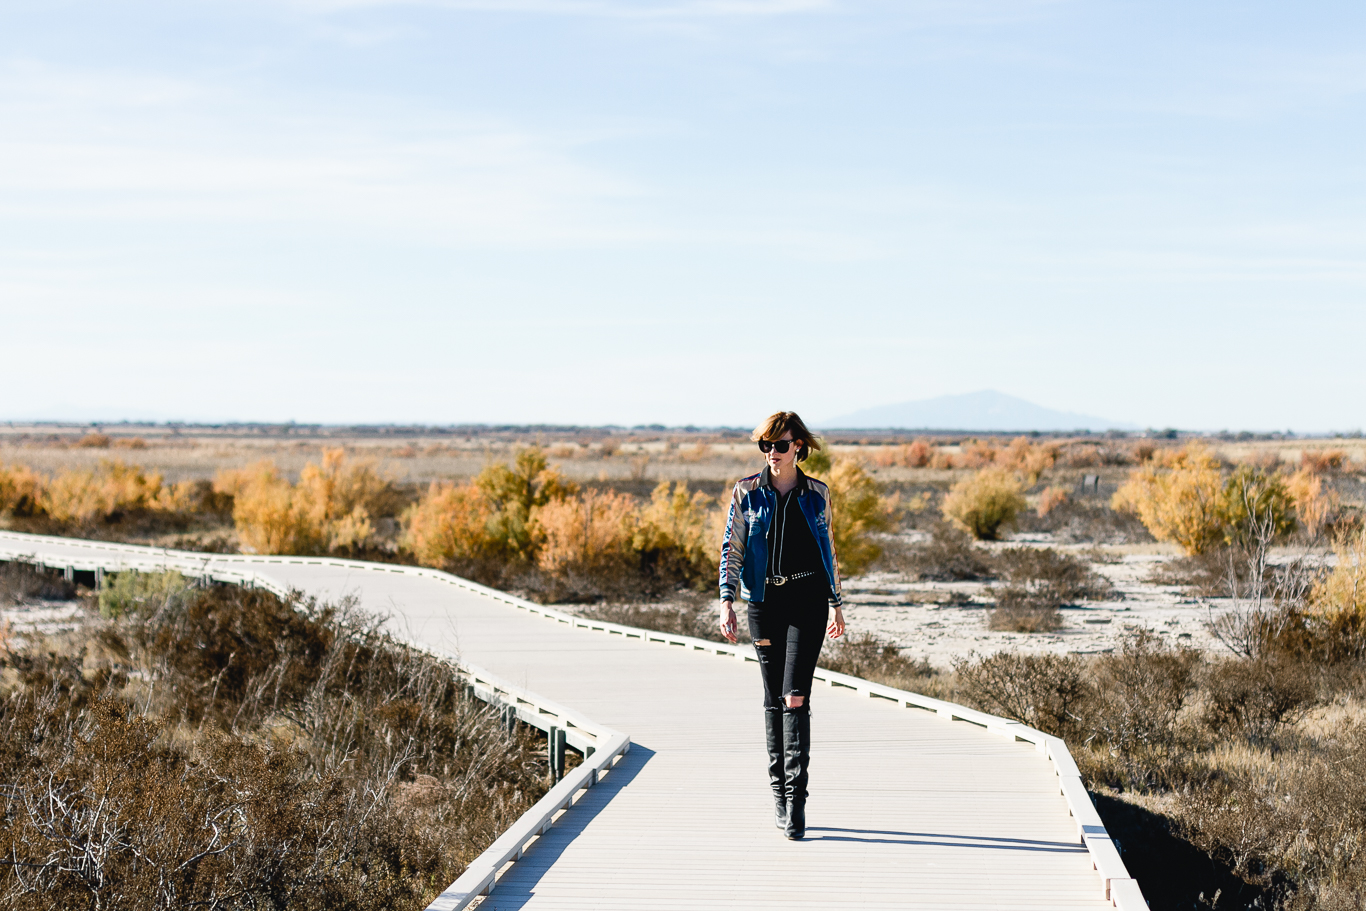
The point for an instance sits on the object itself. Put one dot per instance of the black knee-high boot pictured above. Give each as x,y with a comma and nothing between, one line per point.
796,758
773,728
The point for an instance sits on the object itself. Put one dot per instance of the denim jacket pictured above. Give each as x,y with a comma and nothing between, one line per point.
744,551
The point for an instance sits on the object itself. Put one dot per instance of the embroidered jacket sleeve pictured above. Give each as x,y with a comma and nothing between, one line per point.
733,545
836,586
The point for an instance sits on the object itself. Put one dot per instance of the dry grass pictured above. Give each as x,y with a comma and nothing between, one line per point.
223,748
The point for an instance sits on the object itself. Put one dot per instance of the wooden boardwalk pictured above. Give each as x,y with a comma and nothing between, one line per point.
907,810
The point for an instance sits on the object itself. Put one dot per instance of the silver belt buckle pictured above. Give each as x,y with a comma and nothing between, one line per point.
780,580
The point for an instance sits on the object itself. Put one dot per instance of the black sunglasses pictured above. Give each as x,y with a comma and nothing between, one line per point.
780,445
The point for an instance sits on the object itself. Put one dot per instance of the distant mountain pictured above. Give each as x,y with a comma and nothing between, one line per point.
980,411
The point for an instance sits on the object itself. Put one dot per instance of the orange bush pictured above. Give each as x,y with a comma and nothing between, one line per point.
919,454
942,460
587,534
93,441
20,490
681,529
977,454
1322,460
450,525
1178,495
1313,507
113,488
1028,459
328,510
1051,499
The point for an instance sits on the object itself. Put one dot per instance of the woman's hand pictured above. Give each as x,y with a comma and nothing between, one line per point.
836,627
728,620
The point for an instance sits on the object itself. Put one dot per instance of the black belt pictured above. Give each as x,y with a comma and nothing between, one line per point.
783,580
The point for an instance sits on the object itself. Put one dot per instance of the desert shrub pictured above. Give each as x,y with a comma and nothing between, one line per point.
328,511
20,490
133,591
1255,504
1048,692
514,491
948,556
1051,499
985,502
1053,575
246,752
1253,699
1295,829
1341,596
1085,521
1315,508
268,516
109,493
677,535
93,441
449,528
818,462
859,514
1319,461
22,583
131,443
941,460
1019,610
585,538
871,658
977,454
1178,496
918,454
1028,459
1039,581
1141,690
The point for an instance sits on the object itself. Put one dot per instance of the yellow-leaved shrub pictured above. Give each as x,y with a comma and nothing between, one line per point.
109,491
1314,507
1178,496
590,534
858,515
677,534
985,502
328,511
20,490
449,527
1340,597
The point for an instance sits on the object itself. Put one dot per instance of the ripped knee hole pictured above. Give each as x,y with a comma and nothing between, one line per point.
762,642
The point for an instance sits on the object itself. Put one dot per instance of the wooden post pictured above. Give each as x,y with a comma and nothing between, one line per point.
554,744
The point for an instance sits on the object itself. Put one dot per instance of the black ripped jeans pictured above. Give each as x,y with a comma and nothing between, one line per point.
792,618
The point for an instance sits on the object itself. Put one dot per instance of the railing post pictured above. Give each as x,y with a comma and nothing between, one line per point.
555,743
69,573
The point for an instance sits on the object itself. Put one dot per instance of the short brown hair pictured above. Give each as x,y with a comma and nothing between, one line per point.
779,423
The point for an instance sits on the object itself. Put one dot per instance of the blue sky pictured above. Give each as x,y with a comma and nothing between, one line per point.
686,211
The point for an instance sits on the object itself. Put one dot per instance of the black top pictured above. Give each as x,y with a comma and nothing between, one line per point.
792,547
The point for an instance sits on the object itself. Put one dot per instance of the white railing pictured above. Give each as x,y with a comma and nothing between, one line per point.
1117,885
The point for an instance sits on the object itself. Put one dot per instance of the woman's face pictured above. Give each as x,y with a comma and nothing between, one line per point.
781,463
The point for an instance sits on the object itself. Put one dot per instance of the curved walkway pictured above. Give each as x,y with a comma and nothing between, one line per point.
907,809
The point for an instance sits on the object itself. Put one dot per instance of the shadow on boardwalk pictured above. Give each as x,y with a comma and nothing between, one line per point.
525,875
939,839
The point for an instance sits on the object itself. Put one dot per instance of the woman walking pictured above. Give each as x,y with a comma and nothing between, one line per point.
779,556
